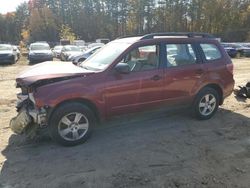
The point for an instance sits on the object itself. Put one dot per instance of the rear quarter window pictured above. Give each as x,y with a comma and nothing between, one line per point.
211,52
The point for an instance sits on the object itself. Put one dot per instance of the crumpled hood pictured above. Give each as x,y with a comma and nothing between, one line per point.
50,70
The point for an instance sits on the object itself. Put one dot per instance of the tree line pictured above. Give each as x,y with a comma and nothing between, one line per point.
47,20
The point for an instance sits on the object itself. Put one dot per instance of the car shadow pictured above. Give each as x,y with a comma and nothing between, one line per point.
122,152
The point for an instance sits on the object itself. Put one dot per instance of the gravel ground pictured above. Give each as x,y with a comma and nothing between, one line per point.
160,149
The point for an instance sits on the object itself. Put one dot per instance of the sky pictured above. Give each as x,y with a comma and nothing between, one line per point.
9,5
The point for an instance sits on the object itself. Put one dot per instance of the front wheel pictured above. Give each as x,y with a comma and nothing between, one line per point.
71,124
206,103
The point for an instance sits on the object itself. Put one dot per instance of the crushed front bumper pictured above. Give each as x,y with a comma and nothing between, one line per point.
19,123
28,116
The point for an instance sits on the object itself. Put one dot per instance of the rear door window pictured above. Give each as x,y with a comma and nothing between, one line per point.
180,54
211,52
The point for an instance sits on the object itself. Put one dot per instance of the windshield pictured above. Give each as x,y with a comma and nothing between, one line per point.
72,48
5,47
39,47
105,56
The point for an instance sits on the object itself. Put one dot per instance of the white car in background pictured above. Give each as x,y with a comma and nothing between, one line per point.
7,54
39,52
16,48
57,51
82,57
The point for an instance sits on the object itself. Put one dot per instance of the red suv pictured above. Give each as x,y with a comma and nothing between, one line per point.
127,75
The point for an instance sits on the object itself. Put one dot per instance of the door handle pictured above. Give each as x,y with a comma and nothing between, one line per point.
156,78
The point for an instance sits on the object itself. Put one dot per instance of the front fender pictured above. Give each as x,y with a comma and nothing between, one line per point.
53,94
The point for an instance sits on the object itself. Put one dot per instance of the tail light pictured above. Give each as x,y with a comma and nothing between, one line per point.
230,68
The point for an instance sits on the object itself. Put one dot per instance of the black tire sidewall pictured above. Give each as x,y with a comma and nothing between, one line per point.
63,110
197,100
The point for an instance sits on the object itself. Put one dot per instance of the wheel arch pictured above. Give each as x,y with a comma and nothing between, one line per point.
83,101
217,88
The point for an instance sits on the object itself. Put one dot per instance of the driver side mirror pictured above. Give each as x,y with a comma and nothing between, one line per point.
122,68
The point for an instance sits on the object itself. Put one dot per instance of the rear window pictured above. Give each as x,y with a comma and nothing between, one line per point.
211,52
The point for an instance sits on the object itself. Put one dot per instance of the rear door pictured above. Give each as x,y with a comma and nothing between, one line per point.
184,73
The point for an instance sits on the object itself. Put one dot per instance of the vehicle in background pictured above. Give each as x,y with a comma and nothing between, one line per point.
246,44
79,42
64,42
16,48
68,51
39,52
84,55
127,75
232,52
45,42
91,45
8,54
57,51
242,51
83,48
104,41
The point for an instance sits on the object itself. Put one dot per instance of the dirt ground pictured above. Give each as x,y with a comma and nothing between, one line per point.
167,149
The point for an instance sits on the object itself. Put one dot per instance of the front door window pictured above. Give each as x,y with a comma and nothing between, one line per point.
143,58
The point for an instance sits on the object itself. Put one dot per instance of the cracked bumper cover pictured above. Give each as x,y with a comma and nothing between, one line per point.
27,116
19,123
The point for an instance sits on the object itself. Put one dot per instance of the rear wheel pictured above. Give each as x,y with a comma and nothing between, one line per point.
206,103
71,124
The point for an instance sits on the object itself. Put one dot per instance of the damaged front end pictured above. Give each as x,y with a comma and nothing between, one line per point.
29,118
33,111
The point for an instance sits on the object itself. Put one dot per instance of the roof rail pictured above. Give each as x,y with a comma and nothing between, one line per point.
187,34
126,36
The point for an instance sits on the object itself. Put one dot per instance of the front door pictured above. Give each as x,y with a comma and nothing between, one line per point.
141,88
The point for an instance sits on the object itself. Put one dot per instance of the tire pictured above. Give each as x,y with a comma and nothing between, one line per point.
206,103
71,124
